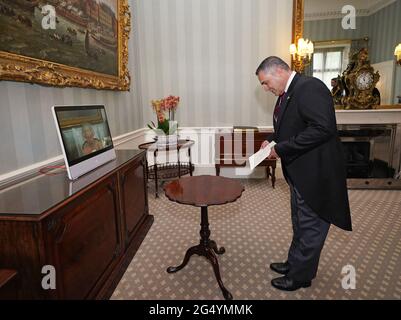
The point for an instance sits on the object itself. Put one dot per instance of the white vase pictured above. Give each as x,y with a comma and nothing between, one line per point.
167,140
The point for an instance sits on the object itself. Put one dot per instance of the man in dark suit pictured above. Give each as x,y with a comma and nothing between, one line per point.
312,160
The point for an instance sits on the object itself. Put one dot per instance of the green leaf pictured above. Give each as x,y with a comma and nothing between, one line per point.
164,126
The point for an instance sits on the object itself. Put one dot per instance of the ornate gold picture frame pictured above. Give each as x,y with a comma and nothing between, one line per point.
77,118
95,33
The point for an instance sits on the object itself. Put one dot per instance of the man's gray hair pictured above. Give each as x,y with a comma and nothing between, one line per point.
271,63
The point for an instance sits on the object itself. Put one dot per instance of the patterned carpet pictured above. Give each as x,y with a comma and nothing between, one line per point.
255,231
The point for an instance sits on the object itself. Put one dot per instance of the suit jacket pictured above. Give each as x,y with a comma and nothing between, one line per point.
310,150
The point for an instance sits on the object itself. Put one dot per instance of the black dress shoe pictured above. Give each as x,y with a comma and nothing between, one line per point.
288,284
280,267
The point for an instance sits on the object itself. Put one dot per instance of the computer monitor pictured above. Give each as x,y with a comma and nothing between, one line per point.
84,136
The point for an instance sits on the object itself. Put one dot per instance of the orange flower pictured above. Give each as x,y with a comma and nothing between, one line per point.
160,117
167,104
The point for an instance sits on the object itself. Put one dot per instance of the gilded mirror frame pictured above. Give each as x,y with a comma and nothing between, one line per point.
14,67
297,29
298,32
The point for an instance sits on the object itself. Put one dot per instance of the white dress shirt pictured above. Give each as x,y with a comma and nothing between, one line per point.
289,81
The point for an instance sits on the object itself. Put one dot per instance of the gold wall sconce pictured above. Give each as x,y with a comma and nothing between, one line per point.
397,53
301,53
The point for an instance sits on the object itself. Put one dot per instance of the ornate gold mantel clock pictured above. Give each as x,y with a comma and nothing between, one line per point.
360,81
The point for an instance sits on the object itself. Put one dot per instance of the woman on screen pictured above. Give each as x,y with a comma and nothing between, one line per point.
91,143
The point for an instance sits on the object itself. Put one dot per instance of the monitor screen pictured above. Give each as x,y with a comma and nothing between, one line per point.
84,131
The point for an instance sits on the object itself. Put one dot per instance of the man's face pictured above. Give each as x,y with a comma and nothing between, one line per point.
333,83
273,81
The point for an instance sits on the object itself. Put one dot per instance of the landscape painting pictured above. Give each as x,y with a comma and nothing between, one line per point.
88,35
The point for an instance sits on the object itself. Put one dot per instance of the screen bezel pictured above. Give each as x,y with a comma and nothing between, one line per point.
82,107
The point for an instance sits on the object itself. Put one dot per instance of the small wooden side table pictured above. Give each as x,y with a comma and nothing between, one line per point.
204,191
239,140
165,171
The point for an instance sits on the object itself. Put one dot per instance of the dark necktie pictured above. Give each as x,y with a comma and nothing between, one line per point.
278,106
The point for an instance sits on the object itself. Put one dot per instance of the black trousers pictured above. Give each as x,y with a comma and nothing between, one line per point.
310,233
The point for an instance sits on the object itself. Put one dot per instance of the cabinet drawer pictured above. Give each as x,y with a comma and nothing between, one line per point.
133,196
85,241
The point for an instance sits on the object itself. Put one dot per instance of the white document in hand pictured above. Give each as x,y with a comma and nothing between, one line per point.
261,155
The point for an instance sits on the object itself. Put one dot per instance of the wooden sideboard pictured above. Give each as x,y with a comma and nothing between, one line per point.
233,147
88,229
8,285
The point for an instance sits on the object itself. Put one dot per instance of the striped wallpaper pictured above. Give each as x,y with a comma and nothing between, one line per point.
331,29
27,128
385,32
205,51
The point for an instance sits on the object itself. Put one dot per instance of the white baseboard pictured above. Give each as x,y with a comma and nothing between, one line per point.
258,173
203,153
30,171
204,145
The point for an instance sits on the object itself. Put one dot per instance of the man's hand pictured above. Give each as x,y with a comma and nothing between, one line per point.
273,154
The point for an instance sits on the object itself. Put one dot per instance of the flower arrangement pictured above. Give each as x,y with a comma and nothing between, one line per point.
161,107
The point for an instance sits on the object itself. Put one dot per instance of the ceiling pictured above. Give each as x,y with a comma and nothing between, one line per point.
331,9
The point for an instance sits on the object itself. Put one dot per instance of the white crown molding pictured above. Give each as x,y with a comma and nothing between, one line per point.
333,15
337,14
